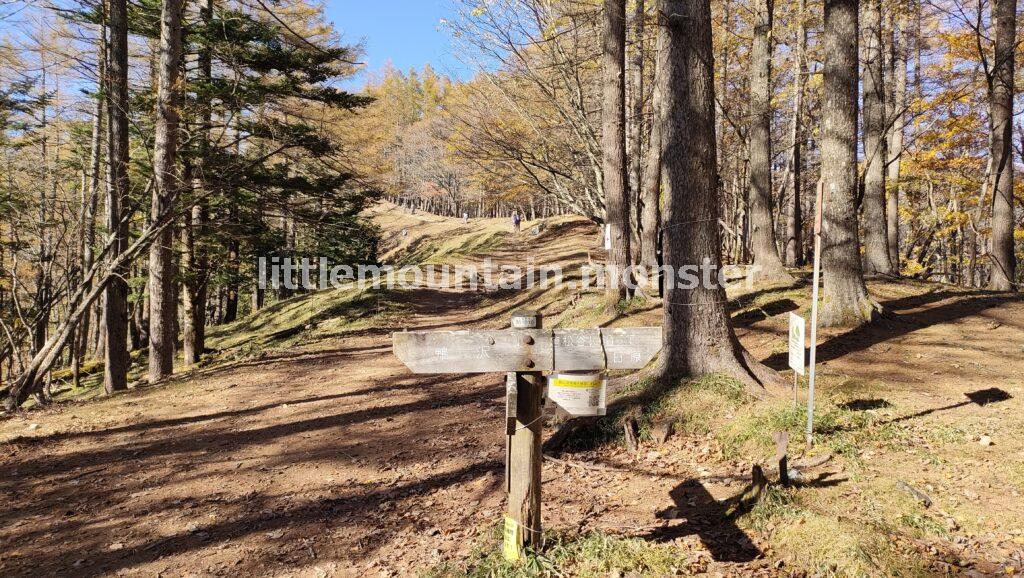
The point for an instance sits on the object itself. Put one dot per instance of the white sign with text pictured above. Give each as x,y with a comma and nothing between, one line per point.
796,343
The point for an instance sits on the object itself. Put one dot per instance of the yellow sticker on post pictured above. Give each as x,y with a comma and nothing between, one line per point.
511,548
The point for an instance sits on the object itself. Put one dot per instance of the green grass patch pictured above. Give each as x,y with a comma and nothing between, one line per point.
922,525
693,407
305,318
566,554
426,250
588,311
631,305
777,505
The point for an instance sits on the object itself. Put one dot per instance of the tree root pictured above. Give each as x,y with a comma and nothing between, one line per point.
863,311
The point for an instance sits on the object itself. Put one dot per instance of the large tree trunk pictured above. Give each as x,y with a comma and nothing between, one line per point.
897,119
698,336
876,240
767,264
1001,111
194,260
794,211
162,304
115,302
845,298
613,145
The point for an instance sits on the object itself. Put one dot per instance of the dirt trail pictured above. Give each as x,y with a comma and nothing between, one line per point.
334,460
324,462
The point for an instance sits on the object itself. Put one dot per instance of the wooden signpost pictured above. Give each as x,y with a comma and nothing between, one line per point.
524,352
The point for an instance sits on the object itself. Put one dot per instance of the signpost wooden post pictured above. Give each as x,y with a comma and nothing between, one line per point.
524,352
524,459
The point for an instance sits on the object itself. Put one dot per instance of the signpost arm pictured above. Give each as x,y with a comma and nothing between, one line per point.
819,203
524,468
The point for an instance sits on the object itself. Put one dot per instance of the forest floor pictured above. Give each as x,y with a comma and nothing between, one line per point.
303,447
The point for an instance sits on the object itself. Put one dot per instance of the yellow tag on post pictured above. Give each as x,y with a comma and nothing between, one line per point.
511,548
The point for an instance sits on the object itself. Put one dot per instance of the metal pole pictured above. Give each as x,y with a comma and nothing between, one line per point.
814,310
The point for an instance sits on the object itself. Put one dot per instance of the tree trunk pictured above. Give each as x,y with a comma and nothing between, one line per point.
231,292
636,140
613,145
115,303
768,266
794,210
90,198
650,212
897,118
1001,111
876,240
194,296
845,298
162,304
43,282
698,336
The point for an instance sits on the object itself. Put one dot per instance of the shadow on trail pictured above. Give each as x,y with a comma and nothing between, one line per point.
227,439
778,307
980,398
714,521
900,324
110,481
151,426
262,514
710,519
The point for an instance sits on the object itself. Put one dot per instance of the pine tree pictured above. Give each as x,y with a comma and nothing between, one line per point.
613,146
162,302
1001,91
767,263
876,240
699,338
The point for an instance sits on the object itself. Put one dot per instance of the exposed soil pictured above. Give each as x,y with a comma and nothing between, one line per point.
333,460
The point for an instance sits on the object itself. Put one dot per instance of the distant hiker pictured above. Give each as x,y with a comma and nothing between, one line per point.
465,217
515,222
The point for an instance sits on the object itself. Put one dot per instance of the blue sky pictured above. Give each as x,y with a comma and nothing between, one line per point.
407,33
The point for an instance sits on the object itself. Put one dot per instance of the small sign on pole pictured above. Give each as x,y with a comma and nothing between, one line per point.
796,343
511,539
796,349
607,237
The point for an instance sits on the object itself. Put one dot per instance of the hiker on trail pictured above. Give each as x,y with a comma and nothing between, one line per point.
515,221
